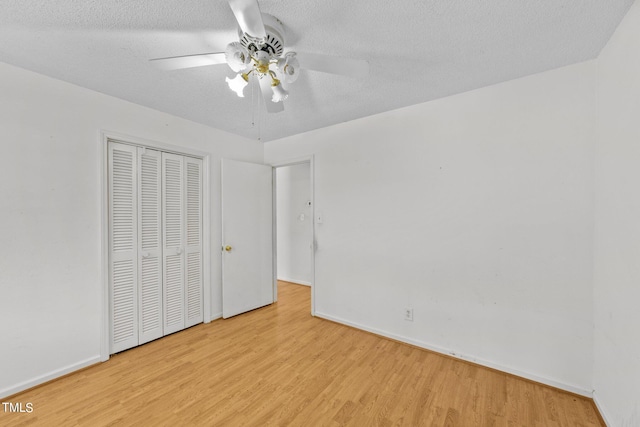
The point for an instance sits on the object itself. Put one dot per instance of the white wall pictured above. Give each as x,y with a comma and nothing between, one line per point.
50,188
617,237
294,223
475,211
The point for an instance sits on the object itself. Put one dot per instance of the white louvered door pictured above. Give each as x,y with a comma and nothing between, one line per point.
123,269
173,247
155,244
193,238
149,242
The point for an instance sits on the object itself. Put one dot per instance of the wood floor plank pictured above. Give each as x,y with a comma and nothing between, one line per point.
278,366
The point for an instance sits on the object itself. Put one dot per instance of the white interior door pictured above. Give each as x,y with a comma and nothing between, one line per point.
247,237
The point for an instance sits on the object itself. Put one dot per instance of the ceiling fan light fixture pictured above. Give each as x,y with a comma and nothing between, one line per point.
262,61
238,83
237,56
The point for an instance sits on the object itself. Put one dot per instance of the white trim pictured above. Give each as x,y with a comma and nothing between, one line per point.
156,145
296,161
533,377
9,391
104,137
274,233
216,316
104,252
206,241
292,162
603,413
312,179
296,281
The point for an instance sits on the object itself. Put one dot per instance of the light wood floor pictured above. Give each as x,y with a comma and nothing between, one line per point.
280,366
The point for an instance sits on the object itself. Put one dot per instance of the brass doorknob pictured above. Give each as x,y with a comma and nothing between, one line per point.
227,248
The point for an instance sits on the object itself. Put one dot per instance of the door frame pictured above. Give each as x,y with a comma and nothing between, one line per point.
292,162
104,137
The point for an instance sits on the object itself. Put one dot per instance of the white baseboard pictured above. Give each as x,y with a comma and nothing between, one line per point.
9,391
533,377
215,316
603,412
296,281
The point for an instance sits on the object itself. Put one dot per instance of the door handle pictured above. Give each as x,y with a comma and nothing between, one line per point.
228,248
178,251
145,254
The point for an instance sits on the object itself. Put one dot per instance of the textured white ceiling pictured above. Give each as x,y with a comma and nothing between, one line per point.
418,50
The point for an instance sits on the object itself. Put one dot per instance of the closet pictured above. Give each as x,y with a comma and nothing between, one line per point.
155,243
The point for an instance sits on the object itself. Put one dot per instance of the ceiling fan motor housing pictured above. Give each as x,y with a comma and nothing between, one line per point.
273,43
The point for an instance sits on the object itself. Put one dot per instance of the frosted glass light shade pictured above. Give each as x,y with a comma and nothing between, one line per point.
279,93
237,57
237,84
289,67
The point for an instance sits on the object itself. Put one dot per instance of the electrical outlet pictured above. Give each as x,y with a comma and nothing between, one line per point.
408,314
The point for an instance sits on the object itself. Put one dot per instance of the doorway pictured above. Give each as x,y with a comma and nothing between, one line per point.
294,243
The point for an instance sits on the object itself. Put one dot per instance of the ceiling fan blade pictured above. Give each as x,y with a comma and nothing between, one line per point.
189,61
355,68
249,17
267,93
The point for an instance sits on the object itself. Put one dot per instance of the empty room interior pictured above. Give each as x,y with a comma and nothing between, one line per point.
258,212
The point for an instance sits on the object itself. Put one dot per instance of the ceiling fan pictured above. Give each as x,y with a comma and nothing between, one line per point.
259,54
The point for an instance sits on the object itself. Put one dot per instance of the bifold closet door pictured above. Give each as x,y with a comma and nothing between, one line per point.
155,244
182,249
173,226
123,246
150,245
193,239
